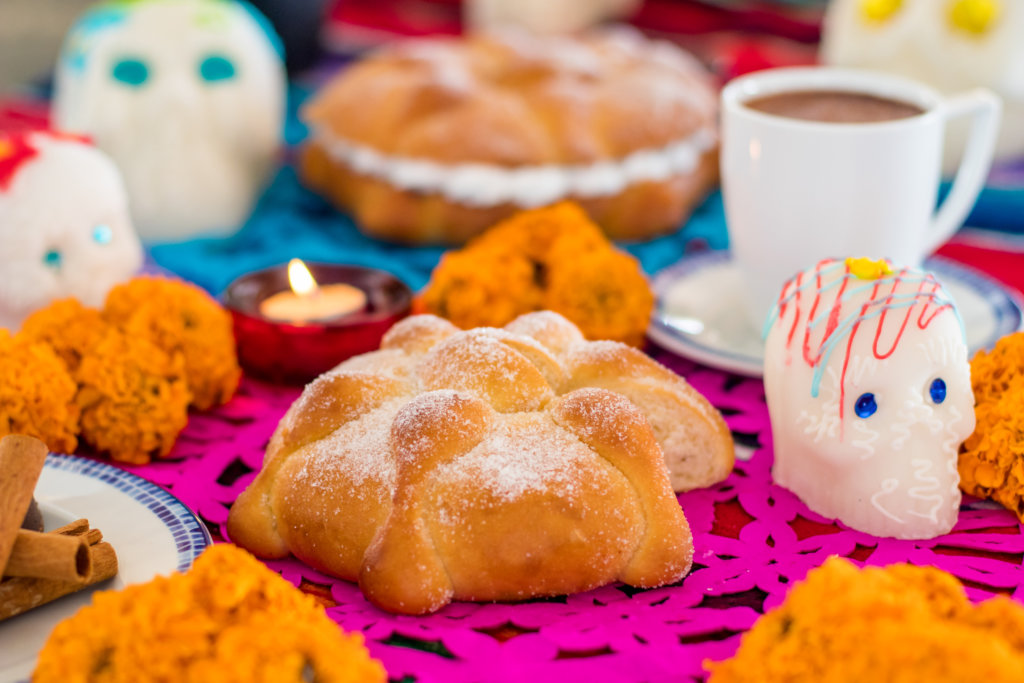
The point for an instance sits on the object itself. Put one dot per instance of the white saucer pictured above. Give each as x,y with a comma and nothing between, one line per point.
699,311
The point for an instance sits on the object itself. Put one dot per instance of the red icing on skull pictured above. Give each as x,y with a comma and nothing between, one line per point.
17,148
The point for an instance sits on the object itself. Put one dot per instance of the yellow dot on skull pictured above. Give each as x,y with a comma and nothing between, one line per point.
880,10
868,269
974,16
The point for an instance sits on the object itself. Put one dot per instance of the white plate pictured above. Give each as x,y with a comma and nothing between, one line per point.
699,311
152,533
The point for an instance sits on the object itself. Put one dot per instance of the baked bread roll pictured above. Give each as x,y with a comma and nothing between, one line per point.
473,465
433,140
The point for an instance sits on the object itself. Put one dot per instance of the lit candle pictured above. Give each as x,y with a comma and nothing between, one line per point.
308,301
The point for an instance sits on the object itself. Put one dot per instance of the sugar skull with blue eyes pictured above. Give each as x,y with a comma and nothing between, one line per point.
187,96
869,392
65,230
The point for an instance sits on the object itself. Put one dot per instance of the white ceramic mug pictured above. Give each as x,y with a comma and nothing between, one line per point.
798,191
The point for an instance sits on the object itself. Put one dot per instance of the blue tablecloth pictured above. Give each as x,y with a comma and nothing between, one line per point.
290,221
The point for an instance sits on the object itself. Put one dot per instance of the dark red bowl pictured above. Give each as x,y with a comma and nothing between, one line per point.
293,353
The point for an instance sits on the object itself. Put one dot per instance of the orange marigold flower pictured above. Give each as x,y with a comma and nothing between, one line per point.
68,327
133,397
181,318
992,459
992,371
900,623
482,289
536,233
606,295
37,394
228,620
554,257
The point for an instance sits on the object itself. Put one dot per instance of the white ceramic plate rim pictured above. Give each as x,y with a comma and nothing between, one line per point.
1006,309
185,538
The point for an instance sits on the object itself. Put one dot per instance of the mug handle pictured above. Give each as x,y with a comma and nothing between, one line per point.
986,109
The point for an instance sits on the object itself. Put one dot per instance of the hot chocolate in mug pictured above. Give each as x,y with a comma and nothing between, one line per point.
825,162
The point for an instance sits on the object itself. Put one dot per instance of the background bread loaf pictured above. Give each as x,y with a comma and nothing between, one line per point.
434,140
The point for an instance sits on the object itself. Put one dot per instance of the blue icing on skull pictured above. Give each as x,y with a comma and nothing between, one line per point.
102,234
216,68
130,71
97,19
52,258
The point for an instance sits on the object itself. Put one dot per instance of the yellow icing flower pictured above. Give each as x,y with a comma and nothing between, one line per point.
974,16
880,10
6,149
868,269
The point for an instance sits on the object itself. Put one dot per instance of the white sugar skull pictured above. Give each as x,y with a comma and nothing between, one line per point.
869,393
953,45
187,96
64,224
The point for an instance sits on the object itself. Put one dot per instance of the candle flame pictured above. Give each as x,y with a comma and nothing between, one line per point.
300,279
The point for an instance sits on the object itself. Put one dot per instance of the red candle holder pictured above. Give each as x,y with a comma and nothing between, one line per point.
298,352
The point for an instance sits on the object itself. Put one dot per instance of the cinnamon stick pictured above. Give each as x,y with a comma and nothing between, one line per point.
80,527
19,595
21,462
75,528
50,556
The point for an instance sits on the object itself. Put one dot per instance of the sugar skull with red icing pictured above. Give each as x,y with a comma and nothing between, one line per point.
869,391
64,224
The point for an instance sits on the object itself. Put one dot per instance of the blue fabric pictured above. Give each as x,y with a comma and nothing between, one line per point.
997,208
290,221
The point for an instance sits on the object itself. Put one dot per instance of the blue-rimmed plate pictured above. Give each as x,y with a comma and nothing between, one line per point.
699,311
152,533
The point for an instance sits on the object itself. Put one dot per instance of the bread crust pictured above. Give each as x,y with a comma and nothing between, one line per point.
514,103
482,469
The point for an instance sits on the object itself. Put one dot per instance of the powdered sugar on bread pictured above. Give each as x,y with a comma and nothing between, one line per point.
422,464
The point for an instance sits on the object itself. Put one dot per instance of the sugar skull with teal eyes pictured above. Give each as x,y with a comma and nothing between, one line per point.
869,393
953,45
64,224
187,96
